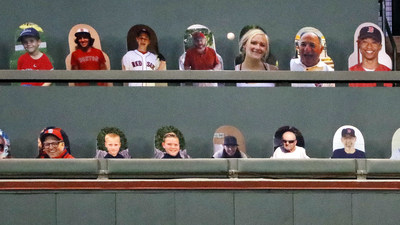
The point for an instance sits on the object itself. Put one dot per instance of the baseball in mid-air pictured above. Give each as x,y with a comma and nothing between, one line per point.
230,36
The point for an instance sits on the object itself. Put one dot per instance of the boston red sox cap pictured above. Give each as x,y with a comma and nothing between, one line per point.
348,132
197,35
370,32
52,131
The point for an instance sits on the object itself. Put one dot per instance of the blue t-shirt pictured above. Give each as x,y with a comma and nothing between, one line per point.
340,153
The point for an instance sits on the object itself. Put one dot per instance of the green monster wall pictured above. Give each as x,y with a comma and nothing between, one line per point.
337,20
197,112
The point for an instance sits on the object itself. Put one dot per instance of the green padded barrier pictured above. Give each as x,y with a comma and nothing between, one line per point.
383,168
167,168
49,168
309,168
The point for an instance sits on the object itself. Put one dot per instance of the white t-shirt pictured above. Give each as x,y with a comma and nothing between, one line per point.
298,153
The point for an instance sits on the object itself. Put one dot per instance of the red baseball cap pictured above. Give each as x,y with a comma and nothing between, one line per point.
52,131
197,35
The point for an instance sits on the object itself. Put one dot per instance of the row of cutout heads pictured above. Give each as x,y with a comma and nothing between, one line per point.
218,138
363,30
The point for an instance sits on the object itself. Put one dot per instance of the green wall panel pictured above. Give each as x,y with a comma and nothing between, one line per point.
321,208
85,208
204,208
142,208
376,208
26,209
263,208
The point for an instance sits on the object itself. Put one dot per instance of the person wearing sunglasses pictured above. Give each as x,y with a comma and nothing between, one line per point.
289,149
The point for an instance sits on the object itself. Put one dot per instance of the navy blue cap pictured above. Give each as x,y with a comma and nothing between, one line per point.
31,32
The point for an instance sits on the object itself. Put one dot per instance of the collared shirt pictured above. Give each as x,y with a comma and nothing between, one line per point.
297,65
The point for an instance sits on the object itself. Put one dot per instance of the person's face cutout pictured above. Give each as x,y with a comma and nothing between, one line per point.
113,144
53,147
289,141
143,40
83,41
257,47
230,149
349,141
171,146
309,49
31,44
369,48
200,43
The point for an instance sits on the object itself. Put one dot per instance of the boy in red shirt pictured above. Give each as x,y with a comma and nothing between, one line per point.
33,59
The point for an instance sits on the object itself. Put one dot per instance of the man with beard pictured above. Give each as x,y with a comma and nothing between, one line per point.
201,57
349,151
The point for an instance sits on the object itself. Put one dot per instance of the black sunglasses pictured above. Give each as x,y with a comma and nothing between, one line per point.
290,142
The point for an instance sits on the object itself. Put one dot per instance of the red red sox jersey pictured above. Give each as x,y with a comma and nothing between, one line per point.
135,60
90,60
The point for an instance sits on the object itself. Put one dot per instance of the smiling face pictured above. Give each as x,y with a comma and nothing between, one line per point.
31,44
53,147
113,144
83,41
230,149
369,48
257,47
143,40
171,145
310,48
349,141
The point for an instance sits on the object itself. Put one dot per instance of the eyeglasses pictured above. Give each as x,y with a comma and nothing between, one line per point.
290,142
52,144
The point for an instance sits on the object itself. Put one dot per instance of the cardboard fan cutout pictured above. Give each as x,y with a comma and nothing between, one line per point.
73,45
343,137
227,130
278,136
396,145
324,54
356,57
132,44
188,42
19,48
270,59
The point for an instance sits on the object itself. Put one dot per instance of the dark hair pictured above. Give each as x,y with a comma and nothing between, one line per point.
80,35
